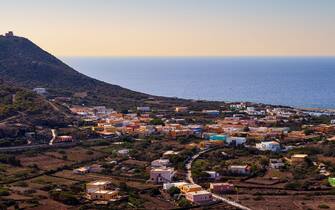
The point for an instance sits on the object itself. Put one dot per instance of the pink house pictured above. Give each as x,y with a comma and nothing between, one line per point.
221,187
202,196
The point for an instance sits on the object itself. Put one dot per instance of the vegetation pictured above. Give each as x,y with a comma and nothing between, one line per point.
64,196
9,159
4,192
174,191
184,203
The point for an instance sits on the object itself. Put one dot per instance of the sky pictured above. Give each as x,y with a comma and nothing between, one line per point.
174,27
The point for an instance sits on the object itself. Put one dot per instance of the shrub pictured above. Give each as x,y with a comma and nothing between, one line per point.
184,203
293,185
323,206
64,197
173,191
4,192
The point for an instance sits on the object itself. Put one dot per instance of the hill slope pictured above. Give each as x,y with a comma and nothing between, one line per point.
22,110
24,63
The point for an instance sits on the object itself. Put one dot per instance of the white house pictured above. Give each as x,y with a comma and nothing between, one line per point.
81,170
160,163
276,163
161,175
213,175
269,146
236,140
123,152
40,91
170,153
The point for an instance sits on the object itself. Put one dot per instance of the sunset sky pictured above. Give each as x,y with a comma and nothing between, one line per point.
174,27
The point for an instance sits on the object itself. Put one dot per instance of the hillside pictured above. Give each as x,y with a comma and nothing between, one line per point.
25,64
22,110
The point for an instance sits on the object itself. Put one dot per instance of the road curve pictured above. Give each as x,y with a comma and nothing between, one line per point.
190,179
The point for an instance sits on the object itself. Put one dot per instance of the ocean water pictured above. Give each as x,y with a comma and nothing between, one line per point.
293,81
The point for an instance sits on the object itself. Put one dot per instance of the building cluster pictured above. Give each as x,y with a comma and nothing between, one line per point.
263,125
264,128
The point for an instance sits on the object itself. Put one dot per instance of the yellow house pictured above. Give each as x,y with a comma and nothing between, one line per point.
104,195
98,186
190,188
298,158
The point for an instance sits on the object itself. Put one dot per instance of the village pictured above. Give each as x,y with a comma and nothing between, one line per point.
240,156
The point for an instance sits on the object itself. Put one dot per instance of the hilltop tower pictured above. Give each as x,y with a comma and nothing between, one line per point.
9,34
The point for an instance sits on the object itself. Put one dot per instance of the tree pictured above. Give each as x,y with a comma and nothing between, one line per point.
157,121
173,191
4,192
184,203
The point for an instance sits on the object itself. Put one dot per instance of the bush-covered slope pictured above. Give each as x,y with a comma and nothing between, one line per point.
24,63
21,106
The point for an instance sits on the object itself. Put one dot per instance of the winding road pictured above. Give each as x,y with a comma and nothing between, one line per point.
219,197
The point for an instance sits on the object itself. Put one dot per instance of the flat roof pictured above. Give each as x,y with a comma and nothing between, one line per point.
200,192
300,155
106,191
162,169
99,182
192,185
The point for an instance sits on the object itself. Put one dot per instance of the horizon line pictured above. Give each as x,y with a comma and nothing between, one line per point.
197,56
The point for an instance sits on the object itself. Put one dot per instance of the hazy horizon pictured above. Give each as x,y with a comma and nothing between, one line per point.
174,28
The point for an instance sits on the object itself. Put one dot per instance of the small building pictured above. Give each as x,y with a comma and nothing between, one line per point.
98,185
123,152
143,109
180,133
199,197
160,163
236,140
213,175
40,91
167,186
103,195
169,153
96,168
161,175
81,170
61,139
181,109
190,188
272,146
218,138
276,163
9,34
242,170
298,158
213,113
221,187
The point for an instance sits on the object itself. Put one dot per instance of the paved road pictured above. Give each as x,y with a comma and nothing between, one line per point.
54,135
190,179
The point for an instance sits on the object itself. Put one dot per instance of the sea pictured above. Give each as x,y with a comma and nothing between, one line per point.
294,81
